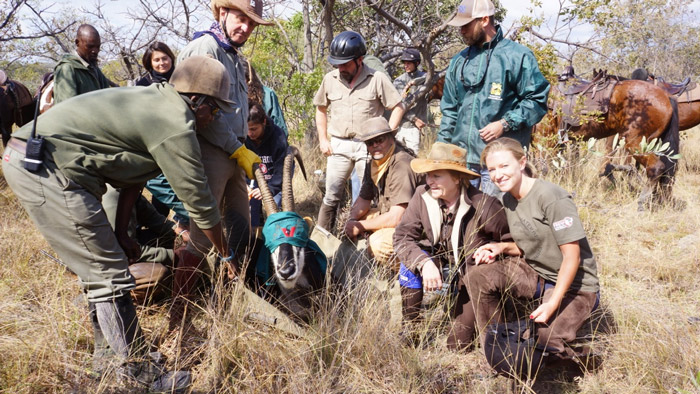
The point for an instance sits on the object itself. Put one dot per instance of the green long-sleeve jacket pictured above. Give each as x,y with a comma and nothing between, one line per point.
73,76
126,136
513,88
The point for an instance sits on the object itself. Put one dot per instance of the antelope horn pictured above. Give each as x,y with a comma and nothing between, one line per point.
287,192
267,199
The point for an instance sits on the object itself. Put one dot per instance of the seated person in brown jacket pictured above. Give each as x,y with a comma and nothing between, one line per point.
444,223
390,182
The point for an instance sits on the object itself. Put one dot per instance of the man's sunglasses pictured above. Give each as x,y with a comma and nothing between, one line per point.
377,140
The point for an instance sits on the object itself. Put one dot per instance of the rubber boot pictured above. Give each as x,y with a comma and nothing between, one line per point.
326,217
135,366
102,355
184,284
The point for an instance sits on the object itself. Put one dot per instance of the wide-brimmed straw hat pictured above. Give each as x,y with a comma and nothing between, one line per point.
444,156
373,127
252,8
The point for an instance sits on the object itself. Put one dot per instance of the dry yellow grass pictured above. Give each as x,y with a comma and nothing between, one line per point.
649,265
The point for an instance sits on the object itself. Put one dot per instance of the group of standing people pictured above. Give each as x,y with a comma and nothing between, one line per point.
190,135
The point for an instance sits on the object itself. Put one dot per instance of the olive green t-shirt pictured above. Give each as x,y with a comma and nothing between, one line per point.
541,221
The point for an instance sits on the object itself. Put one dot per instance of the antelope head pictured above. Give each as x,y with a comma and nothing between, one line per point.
288,258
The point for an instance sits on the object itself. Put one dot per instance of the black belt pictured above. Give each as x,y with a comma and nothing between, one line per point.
18,145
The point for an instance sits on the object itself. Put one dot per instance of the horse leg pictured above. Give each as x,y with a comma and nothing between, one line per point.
653,193
607,167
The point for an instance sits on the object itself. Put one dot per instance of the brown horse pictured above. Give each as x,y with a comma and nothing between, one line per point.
16,106
688,96
636,110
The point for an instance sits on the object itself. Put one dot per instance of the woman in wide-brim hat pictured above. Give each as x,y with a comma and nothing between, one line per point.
445,221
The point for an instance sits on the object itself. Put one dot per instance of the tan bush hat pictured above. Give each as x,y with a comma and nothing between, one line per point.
252,8
444,156
468,10
373,127
204,75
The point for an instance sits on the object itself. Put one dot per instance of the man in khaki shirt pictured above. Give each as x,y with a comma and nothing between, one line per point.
390,181
354,93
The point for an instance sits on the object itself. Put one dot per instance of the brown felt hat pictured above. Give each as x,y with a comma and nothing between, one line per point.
373,127
444,156
252,8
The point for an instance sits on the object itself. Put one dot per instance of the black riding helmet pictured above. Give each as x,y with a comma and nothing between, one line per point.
410,55
346,46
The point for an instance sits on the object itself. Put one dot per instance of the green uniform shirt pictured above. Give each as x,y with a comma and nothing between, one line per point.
500,80
541,221
126,136
74,76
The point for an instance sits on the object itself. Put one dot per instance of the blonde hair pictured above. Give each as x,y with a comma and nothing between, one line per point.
509,145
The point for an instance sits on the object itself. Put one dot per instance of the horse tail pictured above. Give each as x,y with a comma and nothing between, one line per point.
672,136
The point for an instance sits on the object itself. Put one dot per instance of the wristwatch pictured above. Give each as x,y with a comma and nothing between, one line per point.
506,126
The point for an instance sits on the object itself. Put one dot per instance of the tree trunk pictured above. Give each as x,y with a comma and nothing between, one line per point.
307,63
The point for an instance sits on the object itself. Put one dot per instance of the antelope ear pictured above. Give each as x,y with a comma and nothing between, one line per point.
309,222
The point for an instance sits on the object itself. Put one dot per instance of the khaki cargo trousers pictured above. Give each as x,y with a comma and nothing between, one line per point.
74,224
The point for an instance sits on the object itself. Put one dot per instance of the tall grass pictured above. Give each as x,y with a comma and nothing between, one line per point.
649,266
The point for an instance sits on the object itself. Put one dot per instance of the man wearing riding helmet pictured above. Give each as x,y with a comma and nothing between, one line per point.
354,93
222,140
407,84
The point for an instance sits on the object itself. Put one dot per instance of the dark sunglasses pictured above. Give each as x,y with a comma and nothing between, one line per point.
213,106
376,140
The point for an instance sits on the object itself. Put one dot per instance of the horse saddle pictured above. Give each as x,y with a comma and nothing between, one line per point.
687,91
583,98
45,93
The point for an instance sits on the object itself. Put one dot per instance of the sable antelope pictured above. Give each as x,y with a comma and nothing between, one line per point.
299,264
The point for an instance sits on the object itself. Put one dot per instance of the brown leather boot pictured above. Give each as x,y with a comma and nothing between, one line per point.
326,217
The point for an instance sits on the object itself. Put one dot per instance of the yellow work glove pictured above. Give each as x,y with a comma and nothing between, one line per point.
246,158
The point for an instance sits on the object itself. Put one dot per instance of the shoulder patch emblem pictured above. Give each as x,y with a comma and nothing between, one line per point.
496,89
563,224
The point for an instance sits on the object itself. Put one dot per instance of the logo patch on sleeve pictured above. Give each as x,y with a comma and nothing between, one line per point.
563,224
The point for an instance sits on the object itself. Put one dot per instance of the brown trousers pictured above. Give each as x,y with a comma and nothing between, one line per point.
489,285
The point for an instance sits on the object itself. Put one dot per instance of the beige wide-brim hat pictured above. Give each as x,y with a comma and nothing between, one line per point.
252,8
373,127
468,10
444,156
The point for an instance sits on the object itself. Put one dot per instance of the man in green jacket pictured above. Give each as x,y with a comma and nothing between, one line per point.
493,88
107,137
77,73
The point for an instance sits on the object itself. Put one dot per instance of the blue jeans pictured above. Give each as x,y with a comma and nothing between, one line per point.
484,183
